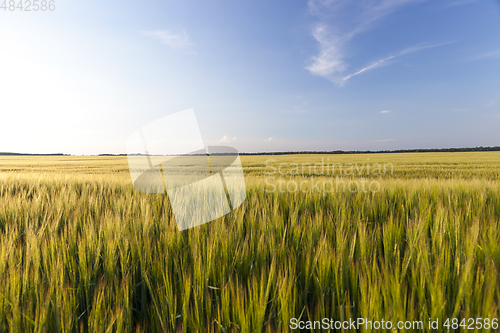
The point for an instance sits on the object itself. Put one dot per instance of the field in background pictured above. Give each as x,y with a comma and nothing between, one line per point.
80,250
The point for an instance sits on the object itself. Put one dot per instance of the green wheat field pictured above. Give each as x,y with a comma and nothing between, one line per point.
82,251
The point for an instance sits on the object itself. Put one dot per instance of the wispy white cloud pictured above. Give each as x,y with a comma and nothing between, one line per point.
175,41
362,13
386,111
227,139
386,140
270,139
460,2
329,61
341,20
386,60
491,54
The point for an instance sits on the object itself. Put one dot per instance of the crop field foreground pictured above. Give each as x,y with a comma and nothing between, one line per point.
82,251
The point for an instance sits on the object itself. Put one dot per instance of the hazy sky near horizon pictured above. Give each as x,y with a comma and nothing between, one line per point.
261,75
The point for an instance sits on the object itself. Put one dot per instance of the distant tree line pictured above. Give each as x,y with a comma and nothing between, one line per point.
418,150
23,154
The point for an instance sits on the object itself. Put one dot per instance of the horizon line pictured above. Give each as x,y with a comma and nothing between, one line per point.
325,152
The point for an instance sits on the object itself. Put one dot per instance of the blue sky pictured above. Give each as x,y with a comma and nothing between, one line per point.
260,75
